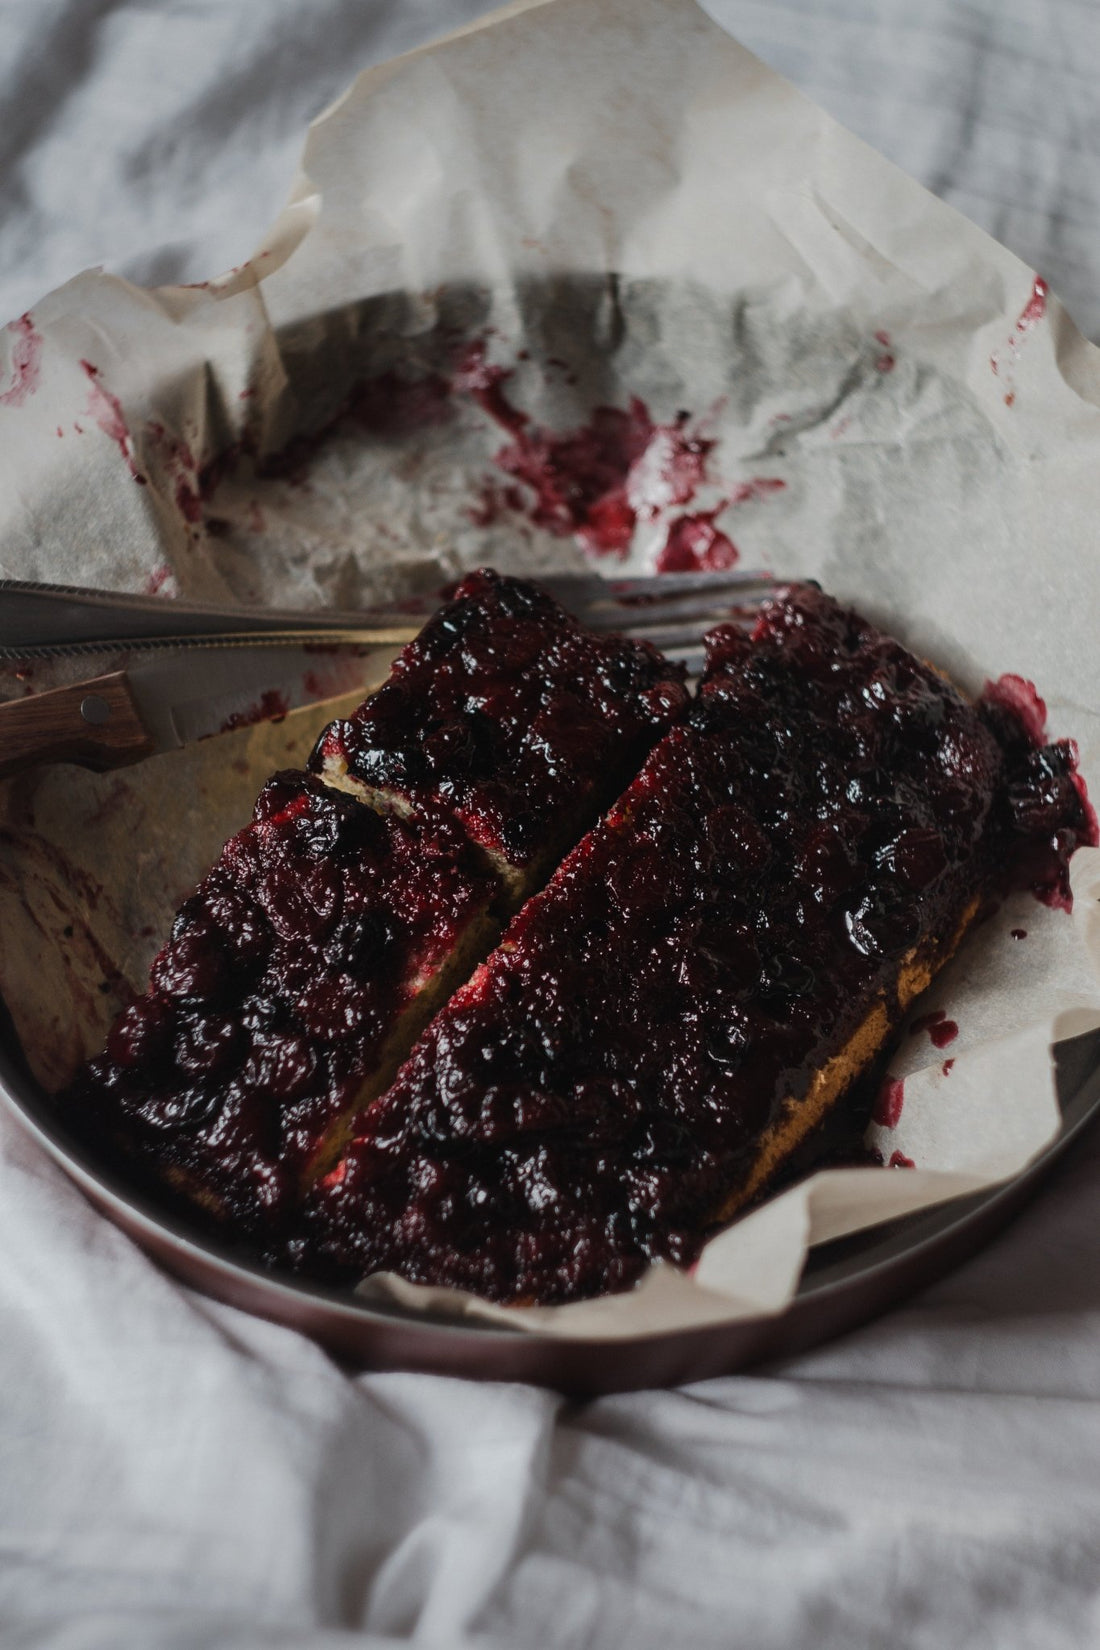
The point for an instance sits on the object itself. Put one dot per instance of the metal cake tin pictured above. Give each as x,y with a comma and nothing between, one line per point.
844,1283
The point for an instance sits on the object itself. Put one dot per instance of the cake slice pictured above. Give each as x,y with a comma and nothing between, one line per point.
297,977
705,975
510,716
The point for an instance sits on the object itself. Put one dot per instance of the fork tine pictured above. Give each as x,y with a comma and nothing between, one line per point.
694,618
658,585
674,611
698,613
586,593
671,610
693,658
699,597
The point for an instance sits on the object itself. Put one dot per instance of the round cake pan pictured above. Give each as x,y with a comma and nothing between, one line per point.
843,1284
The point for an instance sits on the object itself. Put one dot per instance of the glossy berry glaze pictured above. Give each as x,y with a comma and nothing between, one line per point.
284,974
508,714
587,1103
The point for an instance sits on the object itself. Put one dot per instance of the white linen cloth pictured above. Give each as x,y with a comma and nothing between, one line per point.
175,1473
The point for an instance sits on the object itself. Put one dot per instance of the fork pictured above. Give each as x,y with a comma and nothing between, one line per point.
671,610
254,663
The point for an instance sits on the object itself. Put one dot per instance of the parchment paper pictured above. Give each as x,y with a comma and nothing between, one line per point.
608,199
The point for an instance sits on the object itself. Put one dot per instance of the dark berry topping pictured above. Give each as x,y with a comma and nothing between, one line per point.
509,713
267,1009
591,1099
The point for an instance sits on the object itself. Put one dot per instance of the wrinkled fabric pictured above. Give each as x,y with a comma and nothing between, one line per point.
159,139
176,1474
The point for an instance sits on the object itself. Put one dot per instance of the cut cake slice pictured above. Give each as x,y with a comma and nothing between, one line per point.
510,716
297,976
705,975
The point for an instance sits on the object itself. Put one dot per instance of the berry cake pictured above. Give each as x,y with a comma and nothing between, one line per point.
511,716
706,973
295,980
300,972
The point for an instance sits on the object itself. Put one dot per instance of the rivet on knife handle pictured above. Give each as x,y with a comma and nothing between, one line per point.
94,724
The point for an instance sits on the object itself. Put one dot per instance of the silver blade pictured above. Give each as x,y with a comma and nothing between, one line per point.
39,621
201,691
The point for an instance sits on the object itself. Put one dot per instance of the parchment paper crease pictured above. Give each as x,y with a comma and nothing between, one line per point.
607,200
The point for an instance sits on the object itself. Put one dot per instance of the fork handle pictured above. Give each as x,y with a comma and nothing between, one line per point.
95,724
41,617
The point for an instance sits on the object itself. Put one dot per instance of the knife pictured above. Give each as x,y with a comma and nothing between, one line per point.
166,700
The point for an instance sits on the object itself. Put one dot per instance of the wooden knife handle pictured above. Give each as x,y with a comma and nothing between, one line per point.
94,724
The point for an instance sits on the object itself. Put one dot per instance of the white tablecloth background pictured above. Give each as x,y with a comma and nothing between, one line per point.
173,1473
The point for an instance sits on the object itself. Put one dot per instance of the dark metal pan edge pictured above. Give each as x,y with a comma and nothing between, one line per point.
844,1284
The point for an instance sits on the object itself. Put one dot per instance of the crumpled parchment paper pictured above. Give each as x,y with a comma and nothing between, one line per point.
813,365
